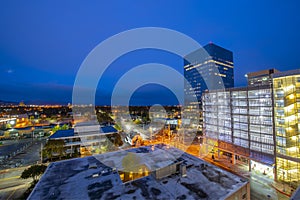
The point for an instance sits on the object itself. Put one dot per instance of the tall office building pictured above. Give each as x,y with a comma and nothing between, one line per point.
210,67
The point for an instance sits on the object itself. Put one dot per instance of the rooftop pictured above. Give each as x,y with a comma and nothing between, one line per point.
262,73
70,132
76,179
287,73
108,129
62,133
296,194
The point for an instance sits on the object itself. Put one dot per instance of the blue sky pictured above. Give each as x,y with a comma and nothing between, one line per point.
43,43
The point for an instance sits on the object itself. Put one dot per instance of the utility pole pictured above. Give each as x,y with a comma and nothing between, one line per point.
169,132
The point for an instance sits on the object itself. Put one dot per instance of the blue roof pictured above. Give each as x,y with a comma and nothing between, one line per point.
108,129
62,133
70,132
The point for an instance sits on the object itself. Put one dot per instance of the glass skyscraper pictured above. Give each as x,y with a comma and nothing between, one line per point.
210,67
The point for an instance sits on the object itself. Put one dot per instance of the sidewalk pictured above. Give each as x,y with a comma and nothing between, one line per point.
283,188
242,171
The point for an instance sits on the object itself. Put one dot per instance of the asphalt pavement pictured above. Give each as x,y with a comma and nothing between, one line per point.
21,153
11,147
11,185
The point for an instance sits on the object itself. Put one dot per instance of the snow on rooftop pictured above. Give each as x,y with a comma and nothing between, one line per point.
75,179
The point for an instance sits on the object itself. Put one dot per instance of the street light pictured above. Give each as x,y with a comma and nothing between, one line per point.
283,173
12,122
32,131
150,130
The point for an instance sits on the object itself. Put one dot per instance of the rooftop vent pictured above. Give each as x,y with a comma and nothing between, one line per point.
183,170
93,166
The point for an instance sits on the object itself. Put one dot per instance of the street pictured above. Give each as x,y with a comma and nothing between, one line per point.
11,185
262,190
9,147
260,185
21,152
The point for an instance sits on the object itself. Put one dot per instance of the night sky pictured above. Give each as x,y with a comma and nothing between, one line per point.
42,44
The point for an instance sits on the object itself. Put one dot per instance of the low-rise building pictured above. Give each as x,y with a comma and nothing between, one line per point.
148,172
86,138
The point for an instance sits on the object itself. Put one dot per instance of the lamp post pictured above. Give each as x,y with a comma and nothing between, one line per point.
32,131
41,152
150,130
283,174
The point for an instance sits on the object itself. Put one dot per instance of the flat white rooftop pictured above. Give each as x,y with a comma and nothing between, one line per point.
97,177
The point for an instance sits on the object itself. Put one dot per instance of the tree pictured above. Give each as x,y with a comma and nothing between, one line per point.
31,119
54,147
145,117
65,127
104,117
8,126
137,121
118,127
115,139
55,128
3,127
33,172
76,153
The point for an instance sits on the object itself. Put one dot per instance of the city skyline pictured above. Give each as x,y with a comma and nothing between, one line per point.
149,100
43,44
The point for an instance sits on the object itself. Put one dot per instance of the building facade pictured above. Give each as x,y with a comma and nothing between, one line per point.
263,77
287,125
88,138
239,123
259,124
210,67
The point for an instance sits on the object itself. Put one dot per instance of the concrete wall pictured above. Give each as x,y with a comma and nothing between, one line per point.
166,171
242,193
